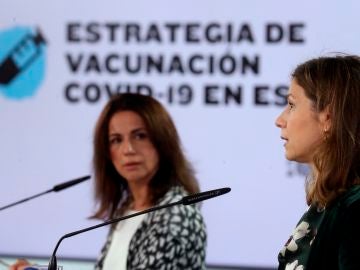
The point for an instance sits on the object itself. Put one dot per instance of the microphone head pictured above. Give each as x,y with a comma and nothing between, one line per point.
198,197
70,183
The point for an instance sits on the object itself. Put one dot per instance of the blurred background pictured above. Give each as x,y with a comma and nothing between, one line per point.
221,68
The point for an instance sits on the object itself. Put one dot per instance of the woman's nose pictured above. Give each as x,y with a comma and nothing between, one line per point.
280,121
128,147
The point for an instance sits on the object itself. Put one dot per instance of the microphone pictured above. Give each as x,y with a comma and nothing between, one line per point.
190,199
56,188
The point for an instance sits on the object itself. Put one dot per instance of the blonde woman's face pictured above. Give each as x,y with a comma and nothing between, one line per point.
132,152
302,128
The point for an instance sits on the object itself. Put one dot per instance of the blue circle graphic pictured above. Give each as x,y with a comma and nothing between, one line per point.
22,62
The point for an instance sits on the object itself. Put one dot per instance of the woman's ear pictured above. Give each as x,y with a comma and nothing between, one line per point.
325,119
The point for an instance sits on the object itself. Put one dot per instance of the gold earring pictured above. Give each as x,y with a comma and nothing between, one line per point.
326,134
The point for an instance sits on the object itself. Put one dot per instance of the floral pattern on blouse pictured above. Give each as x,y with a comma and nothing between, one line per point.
294,255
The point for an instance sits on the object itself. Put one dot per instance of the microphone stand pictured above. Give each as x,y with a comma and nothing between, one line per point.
191,199
56,188
24,200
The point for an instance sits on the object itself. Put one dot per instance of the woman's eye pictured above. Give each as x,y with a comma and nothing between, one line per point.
115,140
140,135
291,105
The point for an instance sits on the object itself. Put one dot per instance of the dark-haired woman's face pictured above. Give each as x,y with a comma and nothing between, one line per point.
132,152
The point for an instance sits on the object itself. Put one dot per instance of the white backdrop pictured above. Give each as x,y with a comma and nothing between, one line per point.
46,136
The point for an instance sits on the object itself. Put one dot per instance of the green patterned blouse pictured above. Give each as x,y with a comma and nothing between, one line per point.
295,253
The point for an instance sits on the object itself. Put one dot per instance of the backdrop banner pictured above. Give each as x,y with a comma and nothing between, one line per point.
221,68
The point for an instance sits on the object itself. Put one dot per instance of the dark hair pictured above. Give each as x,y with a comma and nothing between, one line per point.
110,187
333,83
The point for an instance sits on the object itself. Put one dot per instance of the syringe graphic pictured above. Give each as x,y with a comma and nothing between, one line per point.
21,56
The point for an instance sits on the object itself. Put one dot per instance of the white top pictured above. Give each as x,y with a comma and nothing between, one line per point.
118,251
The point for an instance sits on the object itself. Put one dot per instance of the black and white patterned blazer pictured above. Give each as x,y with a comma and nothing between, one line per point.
168,239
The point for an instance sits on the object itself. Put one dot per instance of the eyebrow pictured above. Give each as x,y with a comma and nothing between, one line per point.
290,95
138,129
132,132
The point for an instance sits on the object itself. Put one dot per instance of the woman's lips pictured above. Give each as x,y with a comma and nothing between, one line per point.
131,165
285,139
